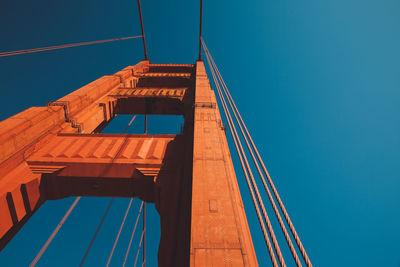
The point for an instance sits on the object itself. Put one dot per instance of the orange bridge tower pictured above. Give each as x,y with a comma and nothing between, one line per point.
57,151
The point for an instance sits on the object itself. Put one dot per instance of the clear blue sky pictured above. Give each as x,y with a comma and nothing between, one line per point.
318,85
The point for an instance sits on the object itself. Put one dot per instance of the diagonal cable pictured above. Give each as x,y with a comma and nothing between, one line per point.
47,48
242,159
240,123
108,208
129,124
137,253
259,198
97,232
119,232
43,249
275,192
142,28
133,233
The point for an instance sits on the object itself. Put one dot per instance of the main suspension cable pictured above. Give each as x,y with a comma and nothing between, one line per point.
133,233
47,48
245,170
43,249
271,199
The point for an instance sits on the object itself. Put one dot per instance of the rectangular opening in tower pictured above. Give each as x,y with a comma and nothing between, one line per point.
156,124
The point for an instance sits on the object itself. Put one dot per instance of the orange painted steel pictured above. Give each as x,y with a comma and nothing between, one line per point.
220,231
58,151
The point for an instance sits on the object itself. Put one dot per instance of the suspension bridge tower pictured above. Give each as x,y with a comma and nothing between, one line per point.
57,151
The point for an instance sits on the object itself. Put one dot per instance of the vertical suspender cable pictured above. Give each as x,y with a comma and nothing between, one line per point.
236,141
145,123
144,207
201,27
276,194
133,233
280,203
144,234
276,211
260,201
107,210
141,26
60,224
43,249
137,253
97,232
129,124
127,210
119,232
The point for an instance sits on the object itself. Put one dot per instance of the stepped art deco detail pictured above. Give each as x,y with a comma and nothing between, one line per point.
58,151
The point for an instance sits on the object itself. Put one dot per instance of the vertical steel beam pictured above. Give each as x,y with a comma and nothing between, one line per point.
219,228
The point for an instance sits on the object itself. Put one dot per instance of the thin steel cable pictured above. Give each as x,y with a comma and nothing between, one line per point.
141,26
201,27
133,233
270,197
108,208
144,233
253,197
145,123
65,46
119,232
259,198
97,231
39,49
274,190
43,249
58,47
47,48
129,124
137,253
276,194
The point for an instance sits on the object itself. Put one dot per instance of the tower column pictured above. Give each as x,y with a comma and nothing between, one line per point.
220,234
